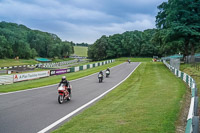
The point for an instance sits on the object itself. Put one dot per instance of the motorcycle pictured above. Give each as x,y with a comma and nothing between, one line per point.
64,93
100,76
107,73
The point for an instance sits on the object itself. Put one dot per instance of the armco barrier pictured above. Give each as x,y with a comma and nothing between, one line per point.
88,66
193,118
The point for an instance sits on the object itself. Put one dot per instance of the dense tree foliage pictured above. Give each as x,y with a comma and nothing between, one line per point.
179,27
18,40
81,44
130,43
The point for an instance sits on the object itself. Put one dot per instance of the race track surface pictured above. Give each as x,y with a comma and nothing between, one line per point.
33,110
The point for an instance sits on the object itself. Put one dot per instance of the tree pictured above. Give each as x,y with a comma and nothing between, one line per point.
18,40
98,50
180,18
5,48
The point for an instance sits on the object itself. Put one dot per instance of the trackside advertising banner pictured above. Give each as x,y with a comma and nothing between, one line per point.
58,72
29,76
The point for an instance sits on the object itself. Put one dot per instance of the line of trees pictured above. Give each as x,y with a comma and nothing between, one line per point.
130,43
178,31
18,40
81,44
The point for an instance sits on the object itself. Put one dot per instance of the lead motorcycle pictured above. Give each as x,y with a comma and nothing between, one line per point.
100,77
64,93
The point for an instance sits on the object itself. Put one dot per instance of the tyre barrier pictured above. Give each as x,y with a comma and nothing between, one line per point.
192,125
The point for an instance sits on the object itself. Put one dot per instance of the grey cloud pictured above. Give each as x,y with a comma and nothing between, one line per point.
81,20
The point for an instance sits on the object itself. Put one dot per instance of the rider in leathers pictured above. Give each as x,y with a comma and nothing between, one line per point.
108,69
66,83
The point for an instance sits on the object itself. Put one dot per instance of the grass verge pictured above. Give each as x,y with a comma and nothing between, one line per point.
135,59
53,79
194,73
61,60
148,101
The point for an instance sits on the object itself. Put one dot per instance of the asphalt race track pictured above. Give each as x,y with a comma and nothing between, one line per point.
32,111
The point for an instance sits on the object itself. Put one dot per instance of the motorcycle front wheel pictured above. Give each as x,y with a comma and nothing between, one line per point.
60,99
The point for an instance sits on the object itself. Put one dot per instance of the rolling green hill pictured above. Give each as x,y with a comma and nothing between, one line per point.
80,51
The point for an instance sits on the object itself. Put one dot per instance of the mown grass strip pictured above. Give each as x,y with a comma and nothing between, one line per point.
148,101
53,79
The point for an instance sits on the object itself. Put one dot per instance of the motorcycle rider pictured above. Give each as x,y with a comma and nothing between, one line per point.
108,69
101,72
66,83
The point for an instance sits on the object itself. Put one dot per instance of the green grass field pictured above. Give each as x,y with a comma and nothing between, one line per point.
147,102
80,51
13,62
64,59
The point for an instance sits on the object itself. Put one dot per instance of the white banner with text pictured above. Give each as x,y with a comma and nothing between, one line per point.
29,76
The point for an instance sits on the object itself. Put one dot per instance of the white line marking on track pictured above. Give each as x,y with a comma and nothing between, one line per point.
50,85
83,106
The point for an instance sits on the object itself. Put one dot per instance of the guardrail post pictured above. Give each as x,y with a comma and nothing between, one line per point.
187,79
182,75
196,106
195,124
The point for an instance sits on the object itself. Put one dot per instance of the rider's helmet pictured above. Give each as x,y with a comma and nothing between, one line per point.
63,77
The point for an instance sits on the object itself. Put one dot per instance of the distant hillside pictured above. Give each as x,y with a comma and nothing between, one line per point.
80,51
20,41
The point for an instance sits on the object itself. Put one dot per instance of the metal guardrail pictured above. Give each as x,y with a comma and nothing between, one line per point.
193,118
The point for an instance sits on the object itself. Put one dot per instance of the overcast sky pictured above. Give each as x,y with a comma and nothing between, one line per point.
81,20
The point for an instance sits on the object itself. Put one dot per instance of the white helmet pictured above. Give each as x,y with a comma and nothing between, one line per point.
63,77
